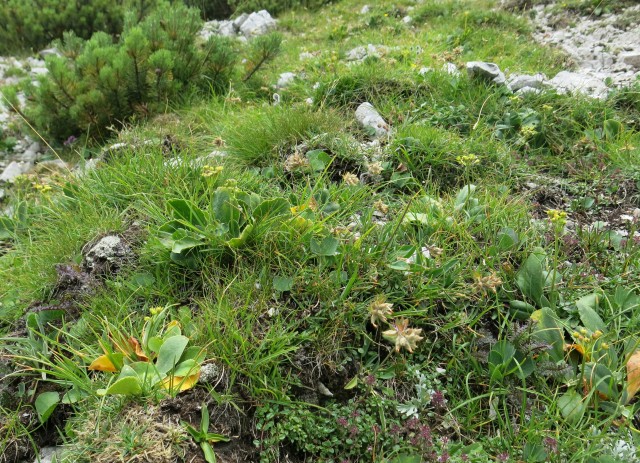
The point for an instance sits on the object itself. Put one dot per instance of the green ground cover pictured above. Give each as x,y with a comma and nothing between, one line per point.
465,289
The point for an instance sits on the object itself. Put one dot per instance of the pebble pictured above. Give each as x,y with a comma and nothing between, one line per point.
367,116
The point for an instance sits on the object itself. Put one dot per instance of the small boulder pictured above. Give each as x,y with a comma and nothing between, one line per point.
487,71
570,82
521,81
257,24
632,59
369,118
14,170
107,255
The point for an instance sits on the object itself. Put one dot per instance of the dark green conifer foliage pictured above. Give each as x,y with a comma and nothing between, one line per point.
97,83
31,24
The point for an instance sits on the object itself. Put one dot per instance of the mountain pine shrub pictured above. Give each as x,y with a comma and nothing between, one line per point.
98,84
32,24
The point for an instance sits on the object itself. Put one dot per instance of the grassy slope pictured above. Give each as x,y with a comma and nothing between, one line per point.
278,319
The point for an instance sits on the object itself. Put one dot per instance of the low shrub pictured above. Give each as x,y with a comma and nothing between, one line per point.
32,24
97,83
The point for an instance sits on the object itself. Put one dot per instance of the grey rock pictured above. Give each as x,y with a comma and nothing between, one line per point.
257,24
285,79
239,21
407,19
226,29
211,373
360,53
632,59
107,255
365,9
14,170
487,71
521,81
48,455
368,117
570,82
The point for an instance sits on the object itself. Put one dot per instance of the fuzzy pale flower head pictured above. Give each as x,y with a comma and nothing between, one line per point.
380,206
402,336
483,284
350,179
374,168
380,310
295,161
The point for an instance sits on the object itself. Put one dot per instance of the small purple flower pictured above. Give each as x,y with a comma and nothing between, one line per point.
370,380
412,424
438,400
425,434
342,422
353,431
464,457
395,429
376,429
71,140
551,444
504,456
444,458
355,414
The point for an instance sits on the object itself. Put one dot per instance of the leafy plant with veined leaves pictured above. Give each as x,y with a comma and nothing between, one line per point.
233,220
160,361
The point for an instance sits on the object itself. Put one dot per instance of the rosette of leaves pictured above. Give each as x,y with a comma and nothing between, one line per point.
233,220
162,361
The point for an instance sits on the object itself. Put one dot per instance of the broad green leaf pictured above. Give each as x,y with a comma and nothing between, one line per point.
612,129
187,211
572,406
282,284
351,384
318,160
72,396
184,240
46,404
129,385
245,236
271,208
548,330
155,343
463,196
223,210
204,422
601,379
531,277
186,368
327,247
194,353
170,353
587,306
507,239
534,453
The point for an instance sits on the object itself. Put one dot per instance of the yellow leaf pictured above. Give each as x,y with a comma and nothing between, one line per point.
180,383
633,375
102,363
